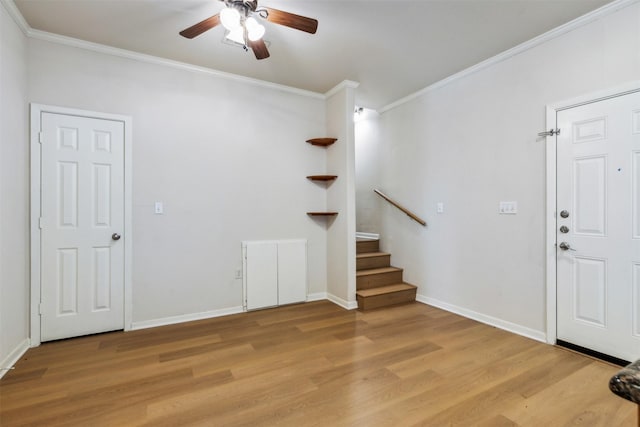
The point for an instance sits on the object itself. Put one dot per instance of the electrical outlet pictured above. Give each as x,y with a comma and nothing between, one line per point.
508,208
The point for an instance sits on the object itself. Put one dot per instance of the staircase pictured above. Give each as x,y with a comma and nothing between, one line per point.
378,284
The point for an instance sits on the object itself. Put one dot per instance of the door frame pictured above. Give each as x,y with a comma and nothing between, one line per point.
36,190
551,195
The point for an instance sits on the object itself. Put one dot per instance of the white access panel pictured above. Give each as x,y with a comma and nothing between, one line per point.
292,271
275,272
261,274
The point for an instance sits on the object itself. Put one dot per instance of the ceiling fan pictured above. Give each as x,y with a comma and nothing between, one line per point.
238,17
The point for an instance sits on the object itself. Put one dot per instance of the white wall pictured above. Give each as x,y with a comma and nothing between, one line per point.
216,152
368,163
14,192
341,230
471,144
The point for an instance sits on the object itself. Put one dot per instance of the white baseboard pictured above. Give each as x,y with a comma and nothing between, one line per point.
483,318
318,296
372,236
172,320
185,318
348,305
15,355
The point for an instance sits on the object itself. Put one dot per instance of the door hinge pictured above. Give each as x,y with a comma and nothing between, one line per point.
40,221
40,309
40,137
550,132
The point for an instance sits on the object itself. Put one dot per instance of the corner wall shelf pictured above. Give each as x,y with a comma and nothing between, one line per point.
322,177
322,213
322,142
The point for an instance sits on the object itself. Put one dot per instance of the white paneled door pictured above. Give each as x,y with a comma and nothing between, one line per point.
598,226
82,273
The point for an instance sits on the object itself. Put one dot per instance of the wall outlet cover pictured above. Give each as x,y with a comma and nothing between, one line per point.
508,208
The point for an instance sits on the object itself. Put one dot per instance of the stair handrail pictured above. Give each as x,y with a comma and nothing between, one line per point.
402,208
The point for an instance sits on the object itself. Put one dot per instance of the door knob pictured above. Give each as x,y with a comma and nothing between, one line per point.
564,229
564,214
115,236
565,246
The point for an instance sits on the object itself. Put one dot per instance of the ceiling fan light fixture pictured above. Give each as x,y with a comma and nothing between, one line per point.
239,18
230,18
236,35
255,31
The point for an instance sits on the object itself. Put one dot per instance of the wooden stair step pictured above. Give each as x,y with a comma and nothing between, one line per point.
372,260
367,245
374,277
373,271
371,254
384,296
385,289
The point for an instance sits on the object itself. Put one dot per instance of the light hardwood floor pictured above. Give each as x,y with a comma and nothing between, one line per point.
312,365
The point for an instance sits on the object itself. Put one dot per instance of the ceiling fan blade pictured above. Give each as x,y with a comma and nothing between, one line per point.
201,27
292,20
259,49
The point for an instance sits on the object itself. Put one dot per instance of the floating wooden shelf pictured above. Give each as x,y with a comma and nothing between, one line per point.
322,177
322,142
322,213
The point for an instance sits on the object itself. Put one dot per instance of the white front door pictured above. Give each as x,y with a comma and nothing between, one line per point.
82,210
598,226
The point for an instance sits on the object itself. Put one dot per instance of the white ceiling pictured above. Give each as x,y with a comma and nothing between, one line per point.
392,47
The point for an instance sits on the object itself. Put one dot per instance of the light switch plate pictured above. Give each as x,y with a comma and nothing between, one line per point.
158,208
508,208
440,207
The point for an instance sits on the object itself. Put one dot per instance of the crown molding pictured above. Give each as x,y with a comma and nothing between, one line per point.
15,14
523,47
342,85
605,10
150,59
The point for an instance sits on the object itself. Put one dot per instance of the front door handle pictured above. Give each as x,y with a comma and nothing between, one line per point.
565,246
115,236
